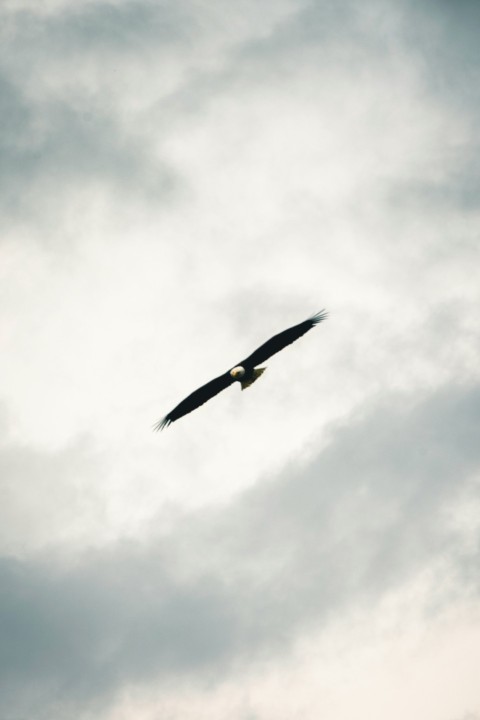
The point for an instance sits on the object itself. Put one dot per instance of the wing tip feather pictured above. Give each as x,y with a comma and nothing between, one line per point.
319,317
163,423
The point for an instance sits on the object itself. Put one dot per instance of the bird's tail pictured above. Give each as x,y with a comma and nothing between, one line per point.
256,374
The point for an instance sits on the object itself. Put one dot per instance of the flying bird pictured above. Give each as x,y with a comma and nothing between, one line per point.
245,372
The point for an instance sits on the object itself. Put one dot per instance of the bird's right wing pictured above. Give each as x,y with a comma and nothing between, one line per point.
197,398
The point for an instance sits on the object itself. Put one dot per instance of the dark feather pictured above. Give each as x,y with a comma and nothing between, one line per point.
278,342
197,398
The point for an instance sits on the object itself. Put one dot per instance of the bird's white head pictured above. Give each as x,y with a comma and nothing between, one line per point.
237,372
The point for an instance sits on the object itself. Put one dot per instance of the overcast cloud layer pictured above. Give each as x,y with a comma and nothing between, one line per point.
178,182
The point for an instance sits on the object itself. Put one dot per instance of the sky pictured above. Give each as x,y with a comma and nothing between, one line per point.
179,182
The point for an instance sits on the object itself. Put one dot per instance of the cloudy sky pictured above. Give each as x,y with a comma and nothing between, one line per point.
180,181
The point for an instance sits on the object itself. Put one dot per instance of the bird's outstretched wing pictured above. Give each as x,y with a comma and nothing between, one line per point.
278,342
197,398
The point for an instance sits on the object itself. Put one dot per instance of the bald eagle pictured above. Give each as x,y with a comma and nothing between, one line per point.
245,372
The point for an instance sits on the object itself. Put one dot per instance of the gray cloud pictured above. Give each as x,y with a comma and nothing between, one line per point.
441,39
354,521
73,635
435,41
129,27
55,137
51,147
63,75
443,34
42,491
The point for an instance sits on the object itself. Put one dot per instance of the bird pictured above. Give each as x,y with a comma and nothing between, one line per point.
245,372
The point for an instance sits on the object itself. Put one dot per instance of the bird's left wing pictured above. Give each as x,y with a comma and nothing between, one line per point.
197,398
278,342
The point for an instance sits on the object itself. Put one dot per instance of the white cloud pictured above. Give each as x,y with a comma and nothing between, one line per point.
178,184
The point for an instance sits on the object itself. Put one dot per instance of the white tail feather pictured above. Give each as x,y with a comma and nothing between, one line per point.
256,374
